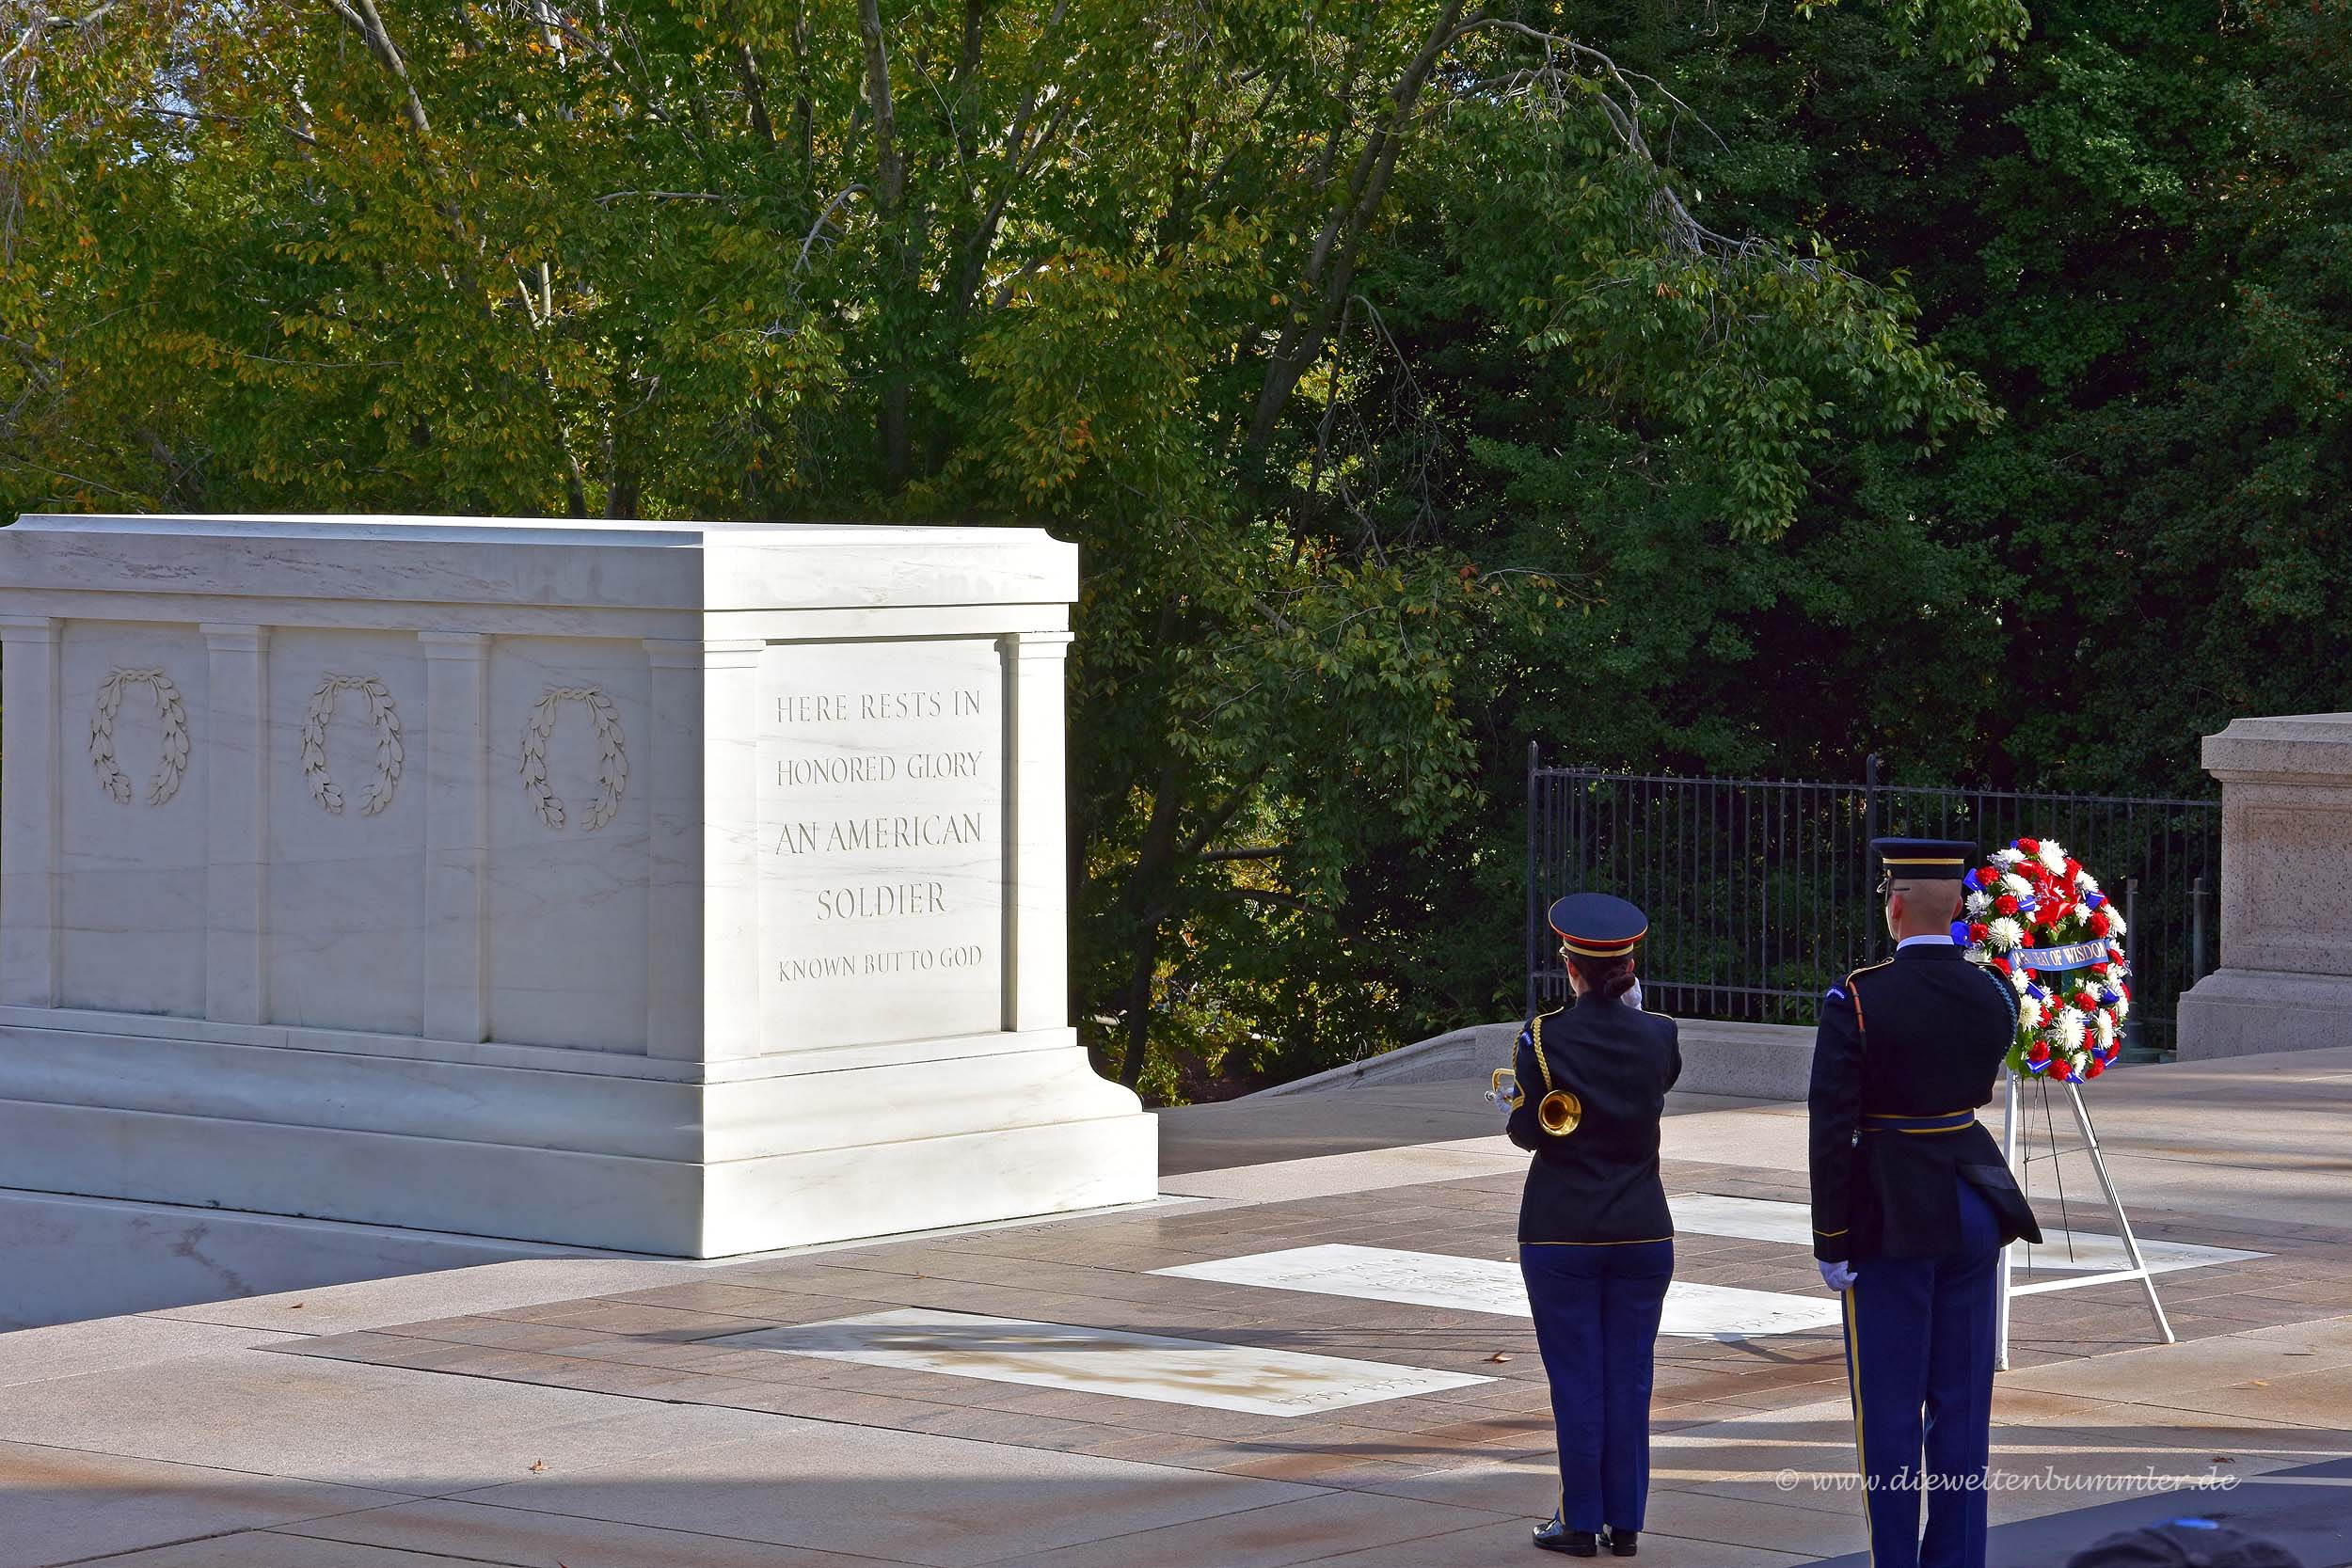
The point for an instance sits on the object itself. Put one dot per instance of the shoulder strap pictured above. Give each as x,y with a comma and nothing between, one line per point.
1536,1038
1854,989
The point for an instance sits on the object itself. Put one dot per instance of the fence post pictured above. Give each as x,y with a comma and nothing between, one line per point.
1527,924
1870,830
2135,1034
2197,895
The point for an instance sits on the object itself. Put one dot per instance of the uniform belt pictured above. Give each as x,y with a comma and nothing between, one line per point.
1951,1121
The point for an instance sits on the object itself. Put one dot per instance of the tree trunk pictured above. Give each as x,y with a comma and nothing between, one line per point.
890,190
1139,1020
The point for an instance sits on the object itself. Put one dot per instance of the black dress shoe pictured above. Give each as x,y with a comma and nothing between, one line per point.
1576,1542
1624,1543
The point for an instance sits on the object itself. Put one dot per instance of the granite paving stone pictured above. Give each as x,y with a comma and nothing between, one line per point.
479,1532
60,1504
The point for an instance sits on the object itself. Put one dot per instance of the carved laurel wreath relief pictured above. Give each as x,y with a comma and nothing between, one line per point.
172,758
612,752
388,755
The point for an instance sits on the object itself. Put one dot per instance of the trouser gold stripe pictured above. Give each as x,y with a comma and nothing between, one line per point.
1853,1391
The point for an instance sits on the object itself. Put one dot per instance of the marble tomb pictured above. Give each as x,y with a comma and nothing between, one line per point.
683,889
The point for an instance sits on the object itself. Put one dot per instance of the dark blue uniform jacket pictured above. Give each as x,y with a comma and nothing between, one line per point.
1920,1036
1598,1183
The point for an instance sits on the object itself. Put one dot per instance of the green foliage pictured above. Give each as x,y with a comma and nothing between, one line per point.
1417,379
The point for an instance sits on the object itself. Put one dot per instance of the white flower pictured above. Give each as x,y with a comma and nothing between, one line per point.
2007,858
2017,886
2018,981
2028,1013
2086,882
2053,855
2122,1008
1978,904
2071,1028
2115,920
2004,934
2106,1032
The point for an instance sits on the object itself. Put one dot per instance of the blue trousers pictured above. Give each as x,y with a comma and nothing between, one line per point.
1919,1354
1597,1312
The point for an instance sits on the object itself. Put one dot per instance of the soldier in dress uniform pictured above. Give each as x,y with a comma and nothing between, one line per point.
1595,1242
1911,1204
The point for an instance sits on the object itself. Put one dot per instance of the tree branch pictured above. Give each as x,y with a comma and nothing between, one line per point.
755,92
611,196
53,24
362,18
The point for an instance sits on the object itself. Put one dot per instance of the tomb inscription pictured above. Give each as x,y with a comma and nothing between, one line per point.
882,842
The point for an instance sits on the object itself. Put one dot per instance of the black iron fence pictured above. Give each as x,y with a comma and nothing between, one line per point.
1759,895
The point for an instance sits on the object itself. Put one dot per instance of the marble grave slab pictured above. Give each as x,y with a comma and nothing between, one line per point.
1758,1219
1694,1310
1116,1362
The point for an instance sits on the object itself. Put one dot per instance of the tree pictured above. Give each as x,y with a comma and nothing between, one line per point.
1374,353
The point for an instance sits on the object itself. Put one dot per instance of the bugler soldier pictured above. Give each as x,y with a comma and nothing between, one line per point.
1596,1241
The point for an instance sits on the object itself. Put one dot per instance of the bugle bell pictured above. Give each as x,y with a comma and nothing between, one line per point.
1558,1112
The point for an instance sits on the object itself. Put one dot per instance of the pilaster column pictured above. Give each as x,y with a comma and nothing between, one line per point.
457,833
29,825
1037,875
236,794
703,982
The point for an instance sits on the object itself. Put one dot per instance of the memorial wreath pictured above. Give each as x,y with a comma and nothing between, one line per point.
2038,919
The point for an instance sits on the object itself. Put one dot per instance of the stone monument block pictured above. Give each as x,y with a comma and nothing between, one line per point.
686,889
2285,981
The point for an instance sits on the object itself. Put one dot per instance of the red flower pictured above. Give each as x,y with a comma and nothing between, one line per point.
1988,874
1977,930
2001,965
2060,1071
2029,847
2037,1053
2095,1068
2099,970
2100,923
2087,1002
2024,938
2005,904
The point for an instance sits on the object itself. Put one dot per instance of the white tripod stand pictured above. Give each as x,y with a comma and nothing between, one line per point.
2013,1254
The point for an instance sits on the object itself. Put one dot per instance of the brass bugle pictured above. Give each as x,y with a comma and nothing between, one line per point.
1559,1112
1504,1089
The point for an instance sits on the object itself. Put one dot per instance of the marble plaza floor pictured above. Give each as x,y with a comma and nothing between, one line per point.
1312,1349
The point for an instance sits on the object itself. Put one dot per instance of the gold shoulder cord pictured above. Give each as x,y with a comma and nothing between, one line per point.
1559,1111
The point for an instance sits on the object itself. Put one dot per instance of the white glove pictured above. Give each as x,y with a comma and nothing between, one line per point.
1837,1276
1633,997
1502,1103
